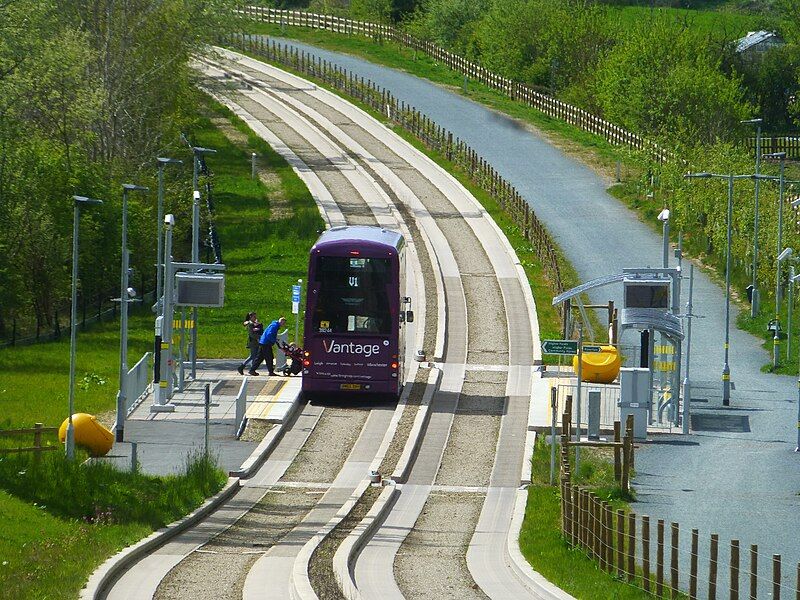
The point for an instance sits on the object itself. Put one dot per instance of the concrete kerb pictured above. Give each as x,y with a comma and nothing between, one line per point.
114,567
420,423
541,586
322,197
393,182
301,588
107,573
348,550
267,445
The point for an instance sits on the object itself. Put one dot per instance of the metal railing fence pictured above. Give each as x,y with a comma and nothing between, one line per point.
137,383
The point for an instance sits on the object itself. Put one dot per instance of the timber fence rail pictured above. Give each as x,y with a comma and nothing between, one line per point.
515,90
37,447
433,136
646,553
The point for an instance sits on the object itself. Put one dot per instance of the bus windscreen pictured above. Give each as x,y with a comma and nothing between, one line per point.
352,295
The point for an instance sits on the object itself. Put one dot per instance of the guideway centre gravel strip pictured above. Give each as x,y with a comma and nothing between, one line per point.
727,473
207,570
511,272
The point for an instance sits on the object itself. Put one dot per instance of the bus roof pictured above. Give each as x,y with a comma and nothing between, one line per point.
360,234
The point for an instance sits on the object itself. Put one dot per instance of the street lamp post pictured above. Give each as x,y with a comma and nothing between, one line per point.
776,340
197,152
755,299
159,265
73,321
663,216
726,369
125,293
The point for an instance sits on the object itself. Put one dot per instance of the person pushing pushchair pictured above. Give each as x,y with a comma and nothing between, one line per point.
266,342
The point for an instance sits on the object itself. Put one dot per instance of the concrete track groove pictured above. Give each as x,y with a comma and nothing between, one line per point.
142,580
341,147
476,264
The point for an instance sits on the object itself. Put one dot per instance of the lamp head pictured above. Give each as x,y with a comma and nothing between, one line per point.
201,150
664,215
85,200
787,252
778,155
131,292
751,121
196,195
169,161
134,188
169,220
796,203
702,175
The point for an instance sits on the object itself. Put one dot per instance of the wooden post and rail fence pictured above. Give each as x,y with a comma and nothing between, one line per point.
37,447
621,541
534,96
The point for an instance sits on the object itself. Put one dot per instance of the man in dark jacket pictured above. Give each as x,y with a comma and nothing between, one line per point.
268,339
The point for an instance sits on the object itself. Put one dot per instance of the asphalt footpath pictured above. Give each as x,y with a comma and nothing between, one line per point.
167,441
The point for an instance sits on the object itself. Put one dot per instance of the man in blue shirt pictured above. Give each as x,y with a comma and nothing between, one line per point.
268,339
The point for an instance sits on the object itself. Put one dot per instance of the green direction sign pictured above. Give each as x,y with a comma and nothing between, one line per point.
559,347
592,349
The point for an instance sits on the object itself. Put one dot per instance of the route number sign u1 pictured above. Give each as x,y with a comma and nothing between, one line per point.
560,347
295,299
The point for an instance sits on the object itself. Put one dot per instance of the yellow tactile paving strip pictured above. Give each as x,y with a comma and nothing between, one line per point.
265,400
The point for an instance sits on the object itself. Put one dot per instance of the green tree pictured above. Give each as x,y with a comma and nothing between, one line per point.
663,80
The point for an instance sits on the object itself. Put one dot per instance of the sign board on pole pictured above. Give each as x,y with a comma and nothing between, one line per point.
559,347
295,299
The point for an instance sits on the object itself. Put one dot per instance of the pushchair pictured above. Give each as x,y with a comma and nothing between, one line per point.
296,354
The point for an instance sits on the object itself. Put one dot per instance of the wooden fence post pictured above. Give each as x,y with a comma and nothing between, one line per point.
797,583
608,537
617,464
712,567
753,571
646,552
660,558
776,577
631,547
625,483
576,516
734,569
621,543
673,560
693,566
37,442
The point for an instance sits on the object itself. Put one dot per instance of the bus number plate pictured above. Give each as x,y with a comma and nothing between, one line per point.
350,386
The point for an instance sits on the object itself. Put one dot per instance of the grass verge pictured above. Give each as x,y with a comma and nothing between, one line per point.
61,519
541,541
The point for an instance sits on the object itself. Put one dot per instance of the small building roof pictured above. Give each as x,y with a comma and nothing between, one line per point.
753,38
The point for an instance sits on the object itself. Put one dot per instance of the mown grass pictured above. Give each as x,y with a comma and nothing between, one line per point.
725,20
61,519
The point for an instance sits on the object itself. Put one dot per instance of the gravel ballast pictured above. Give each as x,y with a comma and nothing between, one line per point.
218,570
431,562
326,449
469,454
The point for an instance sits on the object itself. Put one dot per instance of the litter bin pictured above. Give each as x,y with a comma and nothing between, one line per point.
634,399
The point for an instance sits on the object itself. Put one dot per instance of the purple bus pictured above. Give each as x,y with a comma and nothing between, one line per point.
355,312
